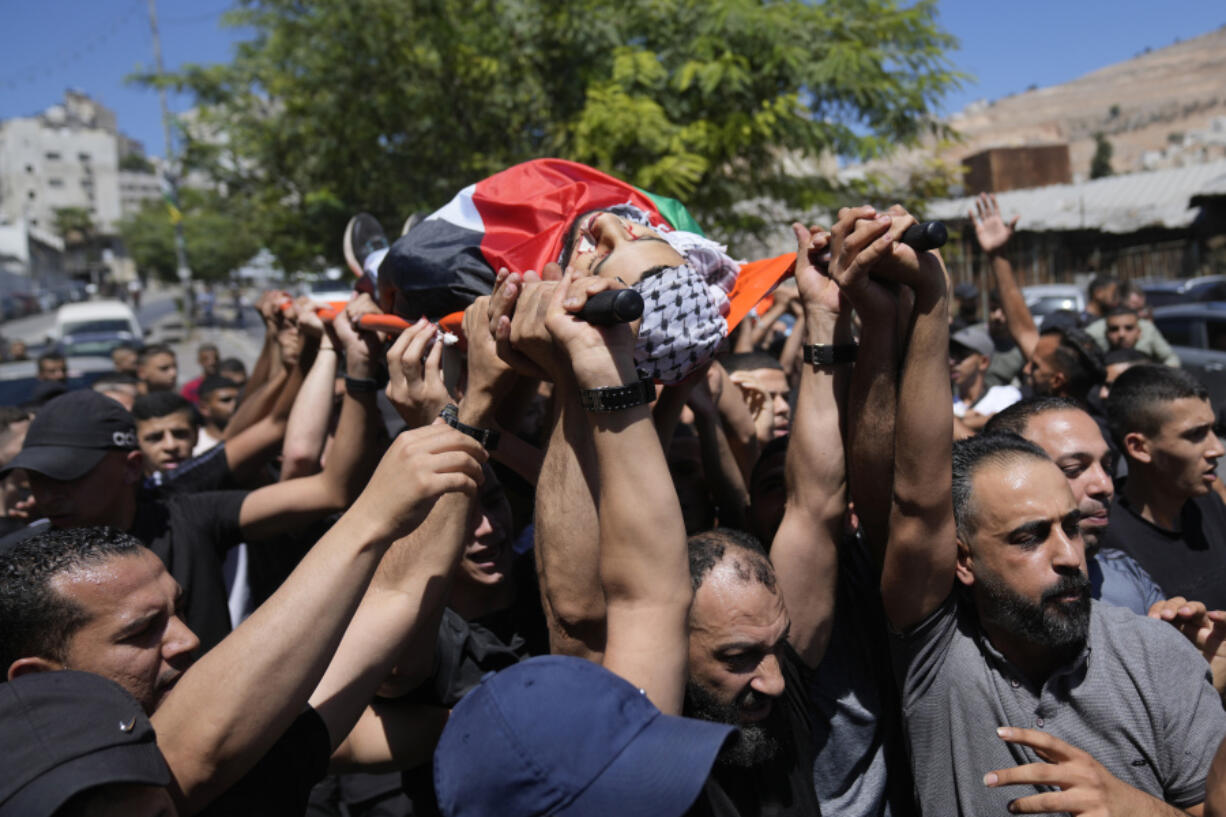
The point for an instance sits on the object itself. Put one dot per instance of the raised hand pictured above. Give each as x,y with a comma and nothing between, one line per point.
420,466
817,289
990,227
489,376
1086,787
1206,629
592,350
415,378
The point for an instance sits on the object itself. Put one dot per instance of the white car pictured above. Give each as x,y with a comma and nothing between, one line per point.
96,318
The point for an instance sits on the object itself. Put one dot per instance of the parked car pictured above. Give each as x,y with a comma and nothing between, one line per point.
1197,333
95,317
1044,299
96,328
1184,290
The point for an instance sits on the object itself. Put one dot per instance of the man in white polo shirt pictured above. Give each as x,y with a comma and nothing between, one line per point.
970,354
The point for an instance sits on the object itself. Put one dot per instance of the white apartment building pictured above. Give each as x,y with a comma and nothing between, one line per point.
68,156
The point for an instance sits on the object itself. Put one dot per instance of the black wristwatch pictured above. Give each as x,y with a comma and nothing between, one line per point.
360,385
488,437
822,354
615,398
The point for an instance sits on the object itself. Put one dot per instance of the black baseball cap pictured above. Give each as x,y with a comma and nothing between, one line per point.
64,732
72,433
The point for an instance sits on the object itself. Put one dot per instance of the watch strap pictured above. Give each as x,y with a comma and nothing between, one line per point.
822,354
488,437
616,398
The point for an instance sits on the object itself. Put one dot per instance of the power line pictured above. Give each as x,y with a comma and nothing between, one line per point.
70,55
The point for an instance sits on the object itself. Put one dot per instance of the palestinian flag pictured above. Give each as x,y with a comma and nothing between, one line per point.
518,219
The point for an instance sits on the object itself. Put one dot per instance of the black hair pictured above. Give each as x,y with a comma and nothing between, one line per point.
12,414
232,364
973,453
1125,356
1121,310
707,549
1139,397
748,361
206,347
1100,282
162,404
1016,417
39,621
116,379
155,350
214,382
50,355
1080,358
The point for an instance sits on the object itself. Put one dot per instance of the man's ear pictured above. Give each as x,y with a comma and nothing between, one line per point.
134,467
1058,381
1136,446
965,567
29,666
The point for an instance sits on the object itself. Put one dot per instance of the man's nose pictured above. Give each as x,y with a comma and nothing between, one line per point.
1100,485
769,678
180,640
1215,448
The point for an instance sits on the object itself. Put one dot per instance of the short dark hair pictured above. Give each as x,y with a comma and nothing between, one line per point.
12,414
1121,310
206,347
161,404
214,382
1100,282
1080,358
38,621
1138,399
973,453
1125,356
707,549
1016,417
46,357
748,361
232,364
155,350
116,379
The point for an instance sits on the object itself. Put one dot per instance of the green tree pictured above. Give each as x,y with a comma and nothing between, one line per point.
391,106
217,236
75,225
1100,165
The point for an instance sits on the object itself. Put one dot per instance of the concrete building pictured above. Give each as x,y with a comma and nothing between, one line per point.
68,156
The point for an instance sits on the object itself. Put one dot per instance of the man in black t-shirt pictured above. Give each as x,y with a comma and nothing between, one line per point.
86,469
1168,516
97,600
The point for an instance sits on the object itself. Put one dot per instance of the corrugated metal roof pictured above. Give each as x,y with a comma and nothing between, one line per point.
1117,204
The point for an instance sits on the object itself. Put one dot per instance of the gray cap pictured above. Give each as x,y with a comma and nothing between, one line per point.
975,338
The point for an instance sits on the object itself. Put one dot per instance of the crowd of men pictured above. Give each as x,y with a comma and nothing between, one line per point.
866,556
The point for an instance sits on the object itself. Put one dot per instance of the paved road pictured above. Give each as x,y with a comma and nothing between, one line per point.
34,329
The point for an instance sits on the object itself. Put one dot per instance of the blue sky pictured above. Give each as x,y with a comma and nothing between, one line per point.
47,46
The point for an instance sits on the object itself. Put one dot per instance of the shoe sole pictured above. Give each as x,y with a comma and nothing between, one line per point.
351,258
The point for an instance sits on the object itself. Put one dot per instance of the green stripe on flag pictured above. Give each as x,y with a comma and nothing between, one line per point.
674,212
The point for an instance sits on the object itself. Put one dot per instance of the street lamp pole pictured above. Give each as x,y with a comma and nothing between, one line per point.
170,176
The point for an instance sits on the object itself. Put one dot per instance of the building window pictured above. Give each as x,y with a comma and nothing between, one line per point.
29,194
52,155
29,168
55,182
84,157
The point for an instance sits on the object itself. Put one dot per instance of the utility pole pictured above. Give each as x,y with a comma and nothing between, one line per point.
170,176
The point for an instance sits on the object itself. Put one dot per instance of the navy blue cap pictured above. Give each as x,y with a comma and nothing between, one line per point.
563,736
64,732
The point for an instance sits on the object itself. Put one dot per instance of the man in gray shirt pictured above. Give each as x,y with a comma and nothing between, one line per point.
1017,690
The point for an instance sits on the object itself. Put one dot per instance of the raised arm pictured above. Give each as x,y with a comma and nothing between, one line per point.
306,425
567,539
228,709
644,565
918,570
993,234
805,549
355,450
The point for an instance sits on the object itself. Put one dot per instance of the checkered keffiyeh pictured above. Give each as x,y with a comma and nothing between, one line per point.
683,323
